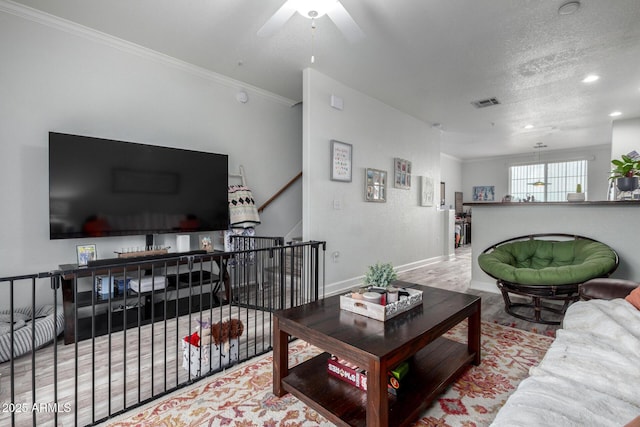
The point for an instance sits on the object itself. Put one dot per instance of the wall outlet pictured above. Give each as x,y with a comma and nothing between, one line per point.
337,204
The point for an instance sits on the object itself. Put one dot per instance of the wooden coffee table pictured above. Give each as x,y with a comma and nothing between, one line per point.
376,346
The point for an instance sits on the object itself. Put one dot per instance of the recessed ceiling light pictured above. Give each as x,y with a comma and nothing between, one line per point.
615,114
590,78
569,7
528,127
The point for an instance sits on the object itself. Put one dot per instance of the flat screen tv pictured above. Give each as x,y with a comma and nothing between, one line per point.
100,187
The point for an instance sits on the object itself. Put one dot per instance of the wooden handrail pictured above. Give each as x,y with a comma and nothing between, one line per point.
282,190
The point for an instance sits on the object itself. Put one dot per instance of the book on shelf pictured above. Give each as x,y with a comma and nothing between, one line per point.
347,372
357,377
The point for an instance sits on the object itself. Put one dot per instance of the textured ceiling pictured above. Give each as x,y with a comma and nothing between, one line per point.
429,58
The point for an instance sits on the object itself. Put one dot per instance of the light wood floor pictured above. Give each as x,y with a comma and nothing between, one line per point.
153,365
159,366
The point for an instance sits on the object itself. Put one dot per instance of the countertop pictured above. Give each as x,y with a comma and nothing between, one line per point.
617,203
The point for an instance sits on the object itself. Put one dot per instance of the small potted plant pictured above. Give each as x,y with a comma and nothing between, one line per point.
578,196
626,172
380,275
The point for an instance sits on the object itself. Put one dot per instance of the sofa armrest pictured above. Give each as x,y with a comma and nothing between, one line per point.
605,288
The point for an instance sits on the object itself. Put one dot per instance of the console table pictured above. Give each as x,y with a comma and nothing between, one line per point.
376,346
119,304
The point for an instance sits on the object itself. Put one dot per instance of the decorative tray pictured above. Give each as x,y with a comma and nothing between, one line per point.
381,312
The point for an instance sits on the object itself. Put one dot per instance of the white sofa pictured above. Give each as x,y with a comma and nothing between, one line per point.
590,376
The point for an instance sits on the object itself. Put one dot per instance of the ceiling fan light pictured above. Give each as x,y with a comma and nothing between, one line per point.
313,9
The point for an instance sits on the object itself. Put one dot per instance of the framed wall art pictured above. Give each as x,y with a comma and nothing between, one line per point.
375,185
426,192
402,173
341,161
484,193
86,253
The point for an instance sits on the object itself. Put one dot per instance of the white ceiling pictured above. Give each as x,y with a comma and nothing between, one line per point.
428,58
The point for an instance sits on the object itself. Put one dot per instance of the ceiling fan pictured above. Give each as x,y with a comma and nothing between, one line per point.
314,9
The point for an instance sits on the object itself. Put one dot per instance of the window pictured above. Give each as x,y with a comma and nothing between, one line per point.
547,182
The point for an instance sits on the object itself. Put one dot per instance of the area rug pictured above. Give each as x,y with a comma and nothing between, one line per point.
242,396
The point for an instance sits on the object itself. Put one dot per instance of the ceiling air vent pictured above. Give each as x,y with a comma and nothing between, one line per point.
485,102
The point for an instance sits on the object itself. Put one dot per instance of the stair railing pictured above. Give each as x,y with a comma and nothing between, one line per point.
279,192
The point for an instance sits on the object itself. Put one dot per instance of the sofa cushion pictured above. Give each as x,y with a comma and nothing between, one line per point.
634,298
545,262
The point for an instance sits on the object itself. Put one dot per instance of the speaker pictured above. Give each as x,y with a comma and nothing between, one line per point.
183,243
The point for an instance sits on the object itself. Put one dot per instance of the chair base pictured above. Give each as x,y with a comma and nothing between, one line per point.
565,293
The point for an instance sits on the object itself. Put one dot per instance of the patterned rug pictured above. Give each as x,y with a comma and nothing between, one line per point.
242,397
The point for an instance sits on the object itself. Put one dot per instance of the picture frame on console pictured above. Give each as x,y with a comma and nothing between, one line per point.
85,254
206,242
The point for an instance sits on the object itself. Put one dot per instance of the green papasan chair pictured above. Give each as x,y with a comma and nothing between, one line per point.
545,267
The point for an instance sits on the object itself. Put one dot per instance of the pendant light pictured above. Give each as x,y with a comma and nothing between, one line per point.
539,183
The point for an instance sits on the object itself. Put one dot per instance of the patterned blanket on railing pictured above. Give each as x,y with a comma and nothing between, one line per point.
242,207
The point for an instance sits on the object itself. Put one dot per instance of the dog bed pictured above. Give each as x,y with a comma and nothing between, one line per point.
47,325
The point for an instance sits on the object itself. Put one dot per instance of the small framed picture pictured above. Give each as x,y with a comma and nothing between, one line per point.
86,253
375,185
341,158
402,173
484,193
206,243
426,198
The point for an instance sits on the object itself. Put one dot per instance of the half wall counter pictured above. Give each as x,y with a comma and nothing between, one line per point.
615,223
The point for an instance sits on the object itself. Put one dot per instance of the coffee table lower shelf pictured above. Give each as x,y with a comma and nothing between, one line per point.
431,370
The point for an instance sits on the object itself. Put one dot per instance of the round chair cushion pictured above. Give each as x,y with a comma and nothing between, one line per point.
546,262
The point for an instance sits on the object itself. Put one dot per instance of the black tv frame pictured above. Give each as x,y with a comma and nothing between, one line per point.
96,176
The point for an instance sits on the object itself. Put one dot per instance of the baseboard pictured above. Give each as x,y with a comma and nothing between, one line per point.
484,286
339,287
422,263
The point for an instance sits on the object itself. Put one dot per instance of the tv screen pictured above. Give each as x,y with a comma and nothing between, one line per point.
100,187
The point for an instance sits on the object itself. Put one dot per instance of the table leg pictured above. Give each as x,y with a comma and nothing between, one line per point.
377,399
280,358
68,308
223,272
474,334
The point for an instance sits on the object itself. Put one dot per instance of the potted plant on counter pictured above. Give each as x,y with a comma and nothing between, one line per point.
626,172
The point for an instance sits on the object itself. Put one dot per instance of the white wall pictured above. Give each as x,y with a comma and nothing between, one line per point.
495,171
362,233
451,175
625,137
56,77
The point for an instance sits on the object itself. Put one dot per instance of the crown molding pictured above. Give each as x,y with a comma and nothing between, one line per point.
52,21
449,156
